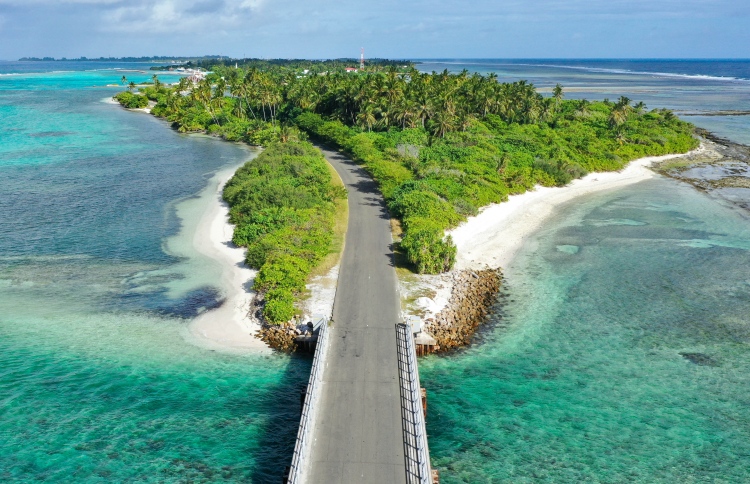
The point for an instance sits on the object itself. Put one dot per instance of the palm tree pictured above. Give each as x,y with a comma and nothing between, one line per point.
444,122
423,109
131,86
288,133
582,109
366,117
183,84
557,93
623,102
203,93
618,117
546,109
123,80
405,112
464,121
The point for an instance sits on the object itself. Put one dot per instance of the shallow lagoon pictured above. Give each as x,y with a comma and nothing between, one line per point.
623,355
621,358
97,285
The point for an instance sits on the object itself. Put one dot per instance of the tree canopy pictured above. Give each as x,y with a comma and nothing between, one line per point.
440,145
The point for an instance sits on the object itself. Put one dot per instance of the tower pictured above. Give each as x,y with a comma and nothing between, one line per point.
362,59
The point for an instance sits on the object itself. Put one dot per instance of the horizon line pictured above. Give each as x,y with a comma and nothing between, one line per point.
391,58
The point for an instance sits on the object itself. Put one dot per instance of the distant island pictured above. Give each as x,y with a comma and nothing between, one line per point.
209,61
179,60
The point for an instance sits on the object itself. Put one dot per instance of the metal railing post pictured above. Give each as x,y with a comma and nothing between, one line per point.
302,447
416,450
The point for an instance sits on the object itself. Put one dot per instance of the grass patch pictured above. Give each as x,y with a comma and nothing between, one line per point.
340,225
404,268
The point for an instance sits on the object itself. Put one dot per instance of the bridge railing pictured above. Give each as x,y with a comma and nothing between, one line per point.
416,451
309,409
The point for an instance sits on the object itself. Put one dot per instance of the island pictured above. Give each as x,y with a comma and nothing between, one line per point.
440,146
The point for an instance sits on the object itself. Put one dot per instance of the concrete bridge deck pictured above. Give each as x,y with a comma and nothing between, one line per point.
357,434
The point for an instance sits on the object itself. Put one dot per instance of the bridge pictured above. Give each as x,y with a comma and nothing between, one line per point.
362,417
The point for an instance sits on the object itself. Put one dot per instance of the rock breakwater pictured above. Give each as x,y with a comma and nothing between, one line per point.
280,337
473,294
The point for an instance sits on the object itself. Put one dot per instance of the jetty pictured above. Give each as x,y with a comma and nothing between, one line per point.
363,410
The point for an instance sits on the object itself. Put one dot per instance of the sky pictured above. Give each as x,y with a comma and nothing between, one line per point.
411,29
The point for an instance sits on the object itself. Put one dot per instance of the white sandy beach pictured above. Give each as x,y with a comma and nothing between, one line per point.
147,110
493,237
229,327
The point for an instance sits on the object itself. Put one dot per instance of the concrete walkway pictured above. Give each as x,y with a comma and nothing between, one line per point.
358,435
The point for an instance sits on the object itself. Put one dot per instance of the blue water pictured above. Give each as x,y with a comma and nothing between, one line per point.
622,356
623,353
684,86
586,374
42,67
97,382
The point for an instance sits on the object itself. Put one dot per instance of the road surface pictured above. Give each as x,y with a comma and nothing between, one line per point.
358,435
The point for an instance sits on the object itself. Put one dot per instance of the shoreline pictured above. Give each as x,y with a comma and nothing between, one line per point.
498,232
113,101
234,327
492,239
230,327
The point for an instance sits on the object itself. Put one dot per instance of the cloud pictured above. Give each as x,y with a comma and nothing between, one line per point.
57,2
170,16
397,28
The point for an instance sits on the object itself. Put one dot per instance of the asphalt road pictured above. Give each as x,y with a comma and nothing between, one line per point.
357,436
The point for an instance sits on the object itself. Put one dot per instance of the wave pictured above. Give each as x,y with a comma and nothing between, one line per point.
649,73
34,73
598,69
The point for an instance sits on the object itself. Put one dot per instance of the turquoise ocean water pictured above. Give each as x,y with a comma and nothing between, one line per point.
96,381
622,356
624,352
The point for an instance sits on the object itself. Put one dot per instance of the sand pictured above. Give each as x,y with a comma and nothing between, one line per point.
494,237
228,328
322,291
147,110
231,327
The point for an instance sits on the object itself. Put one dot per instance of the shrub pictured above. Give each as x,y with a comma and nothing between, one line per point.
131,101
282,205
427,248
279,306
282,271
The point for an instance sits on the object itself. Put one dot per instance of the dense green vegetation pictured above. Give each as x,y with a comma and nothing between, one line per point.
298,65
282,204
131,101
440,145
